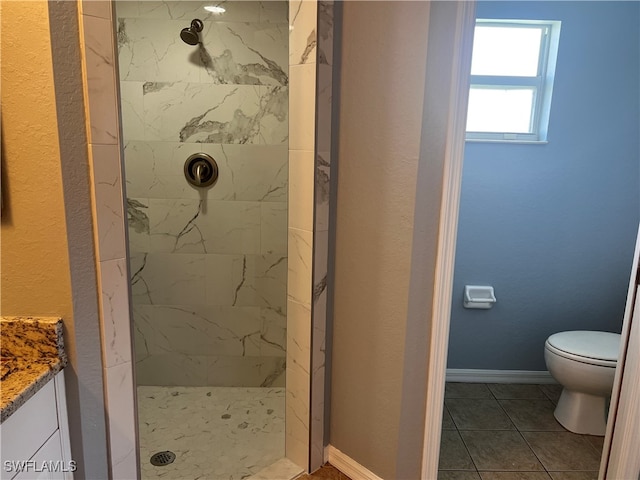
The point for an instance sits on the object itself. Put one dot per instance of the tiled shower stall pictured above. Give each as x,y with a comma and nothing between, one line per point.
208,266
310,44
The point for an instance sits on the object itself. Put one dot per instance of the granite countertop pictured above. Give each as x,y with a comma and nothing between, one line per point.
32,352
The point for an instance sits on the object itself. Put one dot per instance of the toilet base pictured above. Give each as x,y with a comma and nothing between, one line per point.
582,413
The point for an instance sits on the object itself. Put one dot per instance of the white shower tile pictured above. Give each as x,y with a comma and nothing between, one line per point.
274,332
271,281
244,53
243,11
230,280
245,371
100,72
298,382
200,330
138,224
274,11
301,189
273,231
114,312
109,201
246,172
274,119
191,112
230,227
150,50
324,107
325,32
302,107
302,35
132,110
122,420
168,279
172,369
300,266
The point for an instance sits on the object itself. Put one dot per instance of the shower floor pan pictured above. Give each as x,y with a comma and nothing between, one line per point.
215,432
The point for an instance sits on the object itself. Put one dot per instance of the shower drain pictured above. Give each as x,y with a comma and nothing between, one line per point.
161,459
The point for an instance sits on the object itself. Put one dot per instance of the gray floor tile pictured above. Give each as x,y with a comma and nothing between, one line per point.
478,414
466,390
552,391
515,476
597,442
447,421
457,475
532,415
574,475
453,453
563,451
512,390
500,451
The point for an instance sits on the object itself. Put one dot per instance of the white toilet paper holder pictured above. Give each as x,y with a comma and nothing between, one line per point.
478,296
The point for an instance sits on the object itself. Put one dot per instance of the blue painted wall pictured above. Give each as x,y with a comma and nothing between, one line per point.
552,227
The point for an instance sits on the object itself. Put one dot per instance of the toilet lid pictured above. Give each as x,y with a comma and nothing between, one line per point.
600,348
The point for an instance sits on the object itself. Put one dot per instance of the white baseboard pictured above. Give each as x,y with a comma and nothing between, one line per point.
348,466
498,376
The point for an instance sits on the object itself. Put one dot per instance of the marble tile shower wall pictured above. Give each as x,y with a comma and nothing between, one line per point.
209,270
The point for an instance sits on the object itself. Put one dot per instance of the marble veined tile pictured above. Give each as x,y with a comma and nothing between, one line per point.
273,228
322,191
235,11
200,330
191,112
197,226
138,224
168,279
150,50
132,110
216,433
173,369
274,333
244,53
114,307
247,280
246,172
120,396
298,382
108,201
300,248
100,72
228,371
302,36
274,11
325,32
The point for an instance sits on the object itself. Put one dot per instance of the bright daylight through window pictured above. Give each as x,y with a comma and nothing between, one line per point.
512,70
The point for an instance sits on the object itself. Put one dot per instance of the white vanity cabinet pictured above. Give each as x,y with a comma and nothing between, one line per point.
35,438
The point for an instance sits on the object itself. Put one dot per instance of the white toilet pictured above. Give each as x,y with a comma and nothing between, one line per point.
584,363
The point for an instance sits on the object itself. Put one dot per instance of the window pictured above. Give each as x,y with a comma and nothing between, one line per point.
512,69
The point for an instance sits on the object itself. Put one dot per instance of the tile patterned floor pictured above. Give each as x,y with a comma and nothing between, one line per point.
216,432
508,432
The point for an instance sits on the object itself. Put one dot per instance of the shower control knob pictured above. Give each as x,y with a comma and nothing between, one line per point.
201,170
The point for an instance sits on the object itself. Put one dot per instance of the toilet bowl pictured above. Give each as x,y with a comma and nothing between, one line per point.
584,363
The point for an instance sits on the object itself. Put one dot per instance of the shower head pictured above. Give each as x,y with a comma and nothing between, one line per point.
190,35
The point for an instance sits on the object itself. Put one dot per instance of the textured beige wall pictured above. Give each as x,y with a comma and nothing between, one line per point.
35,263
384,52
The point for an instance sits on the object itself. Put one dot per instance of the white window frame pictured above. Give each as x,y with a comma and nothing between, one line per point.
542,82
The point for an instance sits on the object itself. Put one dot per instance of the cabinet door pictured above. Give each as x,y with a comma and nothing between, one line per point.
45,460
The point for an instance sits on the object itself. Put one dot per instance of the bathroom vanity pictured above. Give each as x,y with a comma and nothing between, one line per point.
34,428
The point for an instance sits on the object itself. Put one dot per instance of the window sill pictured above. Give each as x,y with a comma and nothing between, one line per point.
525,142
